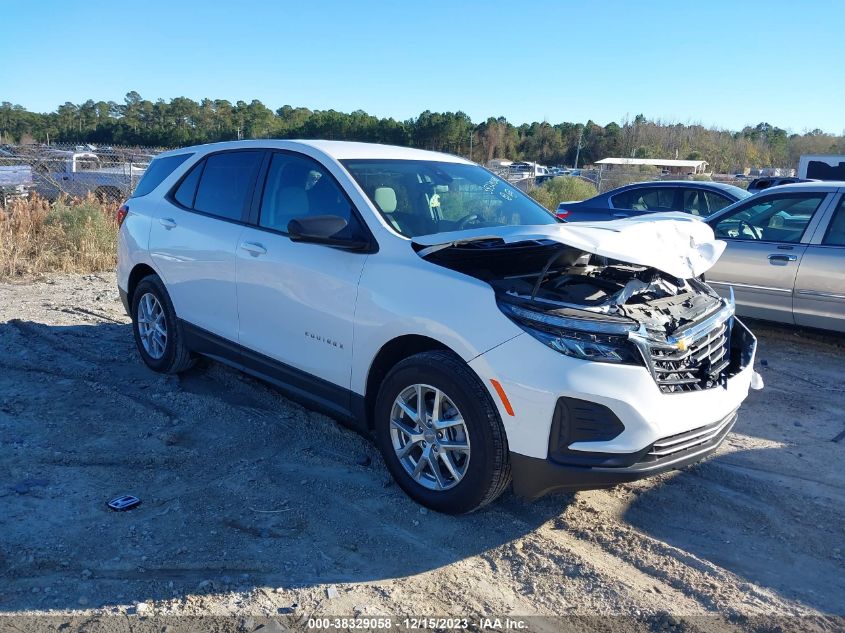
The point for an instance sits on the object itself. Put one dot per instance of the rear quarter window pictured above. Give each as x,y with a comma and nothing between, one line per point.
159,169
187,189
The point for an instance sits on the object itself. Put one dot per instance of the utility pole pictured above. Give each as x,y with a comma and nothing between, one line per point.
578,148
470,145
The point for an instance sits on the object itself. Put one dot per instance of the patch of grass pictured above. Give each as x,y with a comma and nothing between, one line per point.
76,235
562,189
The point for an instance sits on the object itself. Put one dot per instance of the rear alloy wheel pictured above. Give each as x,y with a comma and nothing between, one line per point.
152,326
440,433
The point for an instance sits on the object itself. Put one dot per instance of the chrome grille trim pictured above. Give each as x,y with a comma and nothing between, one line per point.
690,439
692,359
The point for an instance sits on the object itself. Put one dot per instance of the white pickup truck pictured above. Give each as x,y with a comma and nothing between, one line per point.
15,182
822,166
81,173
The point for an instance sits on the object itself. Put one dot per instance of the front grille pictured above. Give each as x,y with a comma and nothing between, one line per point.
701,437
699,366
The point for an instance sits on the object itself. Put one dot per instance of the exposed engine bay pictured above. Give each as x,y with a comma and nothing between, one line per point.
594,308
561,279
643,294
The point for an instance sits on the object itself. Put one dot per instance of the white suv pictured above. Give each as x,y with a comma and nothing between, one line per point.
424,300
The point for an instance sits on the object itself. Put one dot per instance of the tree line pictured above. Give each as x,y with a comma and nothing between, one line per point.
182,121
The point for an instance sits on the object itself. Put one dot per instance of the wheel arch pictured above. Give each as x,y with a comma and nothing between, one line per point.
388,356
138,272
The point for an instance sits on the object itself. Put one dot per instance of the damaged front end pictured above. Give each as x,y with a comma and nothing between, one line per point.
590,307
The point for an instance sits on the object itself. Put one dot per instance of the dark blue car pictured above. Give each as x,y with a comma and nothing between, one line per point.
691,196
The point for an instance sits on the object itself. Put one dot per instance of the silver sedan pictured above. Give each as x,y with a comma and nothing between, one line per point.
785,258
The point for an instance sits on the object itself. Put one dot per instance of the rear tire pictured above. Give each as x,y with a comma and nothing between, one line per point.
158,332
459,468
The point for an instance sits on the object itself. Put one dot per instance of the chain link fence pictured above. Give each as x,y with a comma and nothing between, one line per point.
111,172
51,172
605,180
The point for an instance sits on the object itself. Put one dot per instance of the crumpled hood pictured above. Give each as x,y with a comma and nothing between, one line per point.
676,243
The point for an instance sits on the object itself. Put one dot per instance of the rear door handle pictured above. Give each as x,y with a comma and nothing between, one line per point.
254,248
167,223
779,259
621,214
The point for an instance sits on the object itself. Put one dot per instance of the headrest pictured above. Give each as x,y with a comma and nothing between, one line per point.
385,199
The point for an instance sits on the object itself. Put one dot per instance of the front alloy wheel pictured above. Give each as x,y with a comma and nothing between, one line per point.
429,437
440,433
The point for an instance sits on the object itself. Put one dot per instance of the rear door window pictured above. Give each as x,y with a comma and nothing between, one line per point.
694,202
702,202
226,184
716,201
646,199
158,170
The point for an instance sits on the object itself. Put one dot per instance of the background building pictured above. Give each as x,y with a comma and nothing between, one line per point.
670,166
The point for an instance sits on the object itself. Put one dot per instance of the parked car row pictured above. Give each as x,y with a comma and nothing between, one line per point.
785,251
694,197
758,184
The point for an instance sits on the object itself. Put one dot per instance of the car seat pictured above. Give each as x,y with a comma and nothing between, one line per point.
285,198
408,224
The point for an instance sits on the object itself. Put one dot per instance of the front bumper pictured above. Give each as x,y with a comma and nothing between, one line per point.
534,477
622,426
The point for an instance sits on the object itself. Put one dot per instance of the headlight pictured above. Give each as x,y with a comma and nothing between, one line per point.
587,339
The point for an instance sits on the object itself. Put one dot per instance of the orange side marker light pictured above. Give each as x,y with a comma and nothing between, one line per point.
504,397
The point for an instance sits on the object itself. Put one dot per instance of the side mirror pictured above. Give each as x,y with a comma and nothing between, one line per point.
323,229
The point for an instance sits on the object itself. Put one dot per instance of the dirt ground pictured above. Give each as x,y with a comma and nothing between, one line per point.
255,507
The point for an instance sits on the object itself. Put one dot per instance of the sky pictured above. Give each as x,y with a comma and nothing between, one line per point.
714,62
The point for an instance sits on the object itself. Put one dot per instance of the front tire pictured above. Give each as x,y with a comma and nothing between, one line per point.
158,333
440,434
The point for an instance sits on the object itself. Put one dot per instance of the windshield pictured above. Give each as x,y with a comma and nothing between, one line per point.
419,197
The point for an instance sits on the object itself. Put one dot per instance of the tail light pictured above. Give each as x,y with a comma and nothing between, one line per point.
562,213
121,214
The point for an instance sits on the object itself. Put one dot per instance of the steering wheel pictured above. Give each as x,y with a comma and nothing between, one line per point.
747,229
462,223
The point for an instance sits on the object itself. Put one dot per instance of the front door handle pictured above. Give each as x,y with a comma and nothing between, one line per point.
167,223
780,259
254,248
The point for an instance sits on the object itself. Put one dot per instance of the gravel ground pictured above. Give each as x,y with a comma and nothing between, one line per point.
256,507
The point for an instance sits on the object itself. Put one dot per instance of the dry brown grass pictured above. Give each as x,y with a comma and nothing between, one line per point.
76,235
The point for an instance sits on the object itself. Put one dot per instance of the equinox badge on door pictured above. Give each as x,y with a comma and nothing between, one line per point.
325,340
